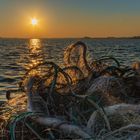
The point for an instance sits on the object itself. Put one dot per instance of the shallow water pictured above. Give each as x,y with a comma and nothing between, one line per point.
18,55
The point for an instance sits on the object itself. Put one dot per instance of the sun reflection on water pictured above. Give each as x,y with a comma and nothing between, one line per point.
35,54
35,45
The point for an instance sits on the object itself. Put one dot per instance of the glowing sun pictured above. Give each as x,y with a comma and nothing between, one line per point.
34,21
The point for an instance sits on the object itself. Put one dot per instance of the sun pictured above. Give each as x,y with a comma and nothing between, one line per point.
34,21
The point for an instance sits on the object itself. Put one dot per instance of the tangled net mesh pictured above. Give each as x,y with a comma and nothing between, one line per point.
74,101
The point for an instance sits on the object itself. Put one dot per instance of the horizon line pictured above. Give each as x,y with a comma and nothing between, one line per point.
84,37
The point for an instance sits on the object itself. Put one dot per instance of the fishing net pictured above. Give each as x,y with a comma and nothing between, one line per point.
82,100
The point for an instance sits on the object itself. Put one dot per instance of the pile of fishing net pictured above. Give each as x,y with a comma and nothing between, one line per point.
86,99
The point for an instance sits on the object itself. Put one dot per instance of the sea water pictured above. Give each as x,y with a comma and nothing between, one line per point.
19,55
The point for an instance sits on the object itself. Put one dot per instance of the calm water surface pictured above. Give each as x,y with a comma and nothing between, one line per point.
18,55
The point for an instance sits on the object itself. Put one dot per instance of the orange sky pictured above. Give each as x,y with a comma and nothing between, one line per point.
69,19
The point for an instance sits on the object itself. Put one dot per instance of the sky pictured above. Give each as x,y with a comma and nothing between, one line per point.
70,18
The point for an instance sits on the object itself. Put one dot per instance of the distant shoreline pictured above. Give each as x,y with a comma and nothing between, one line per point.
86,37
